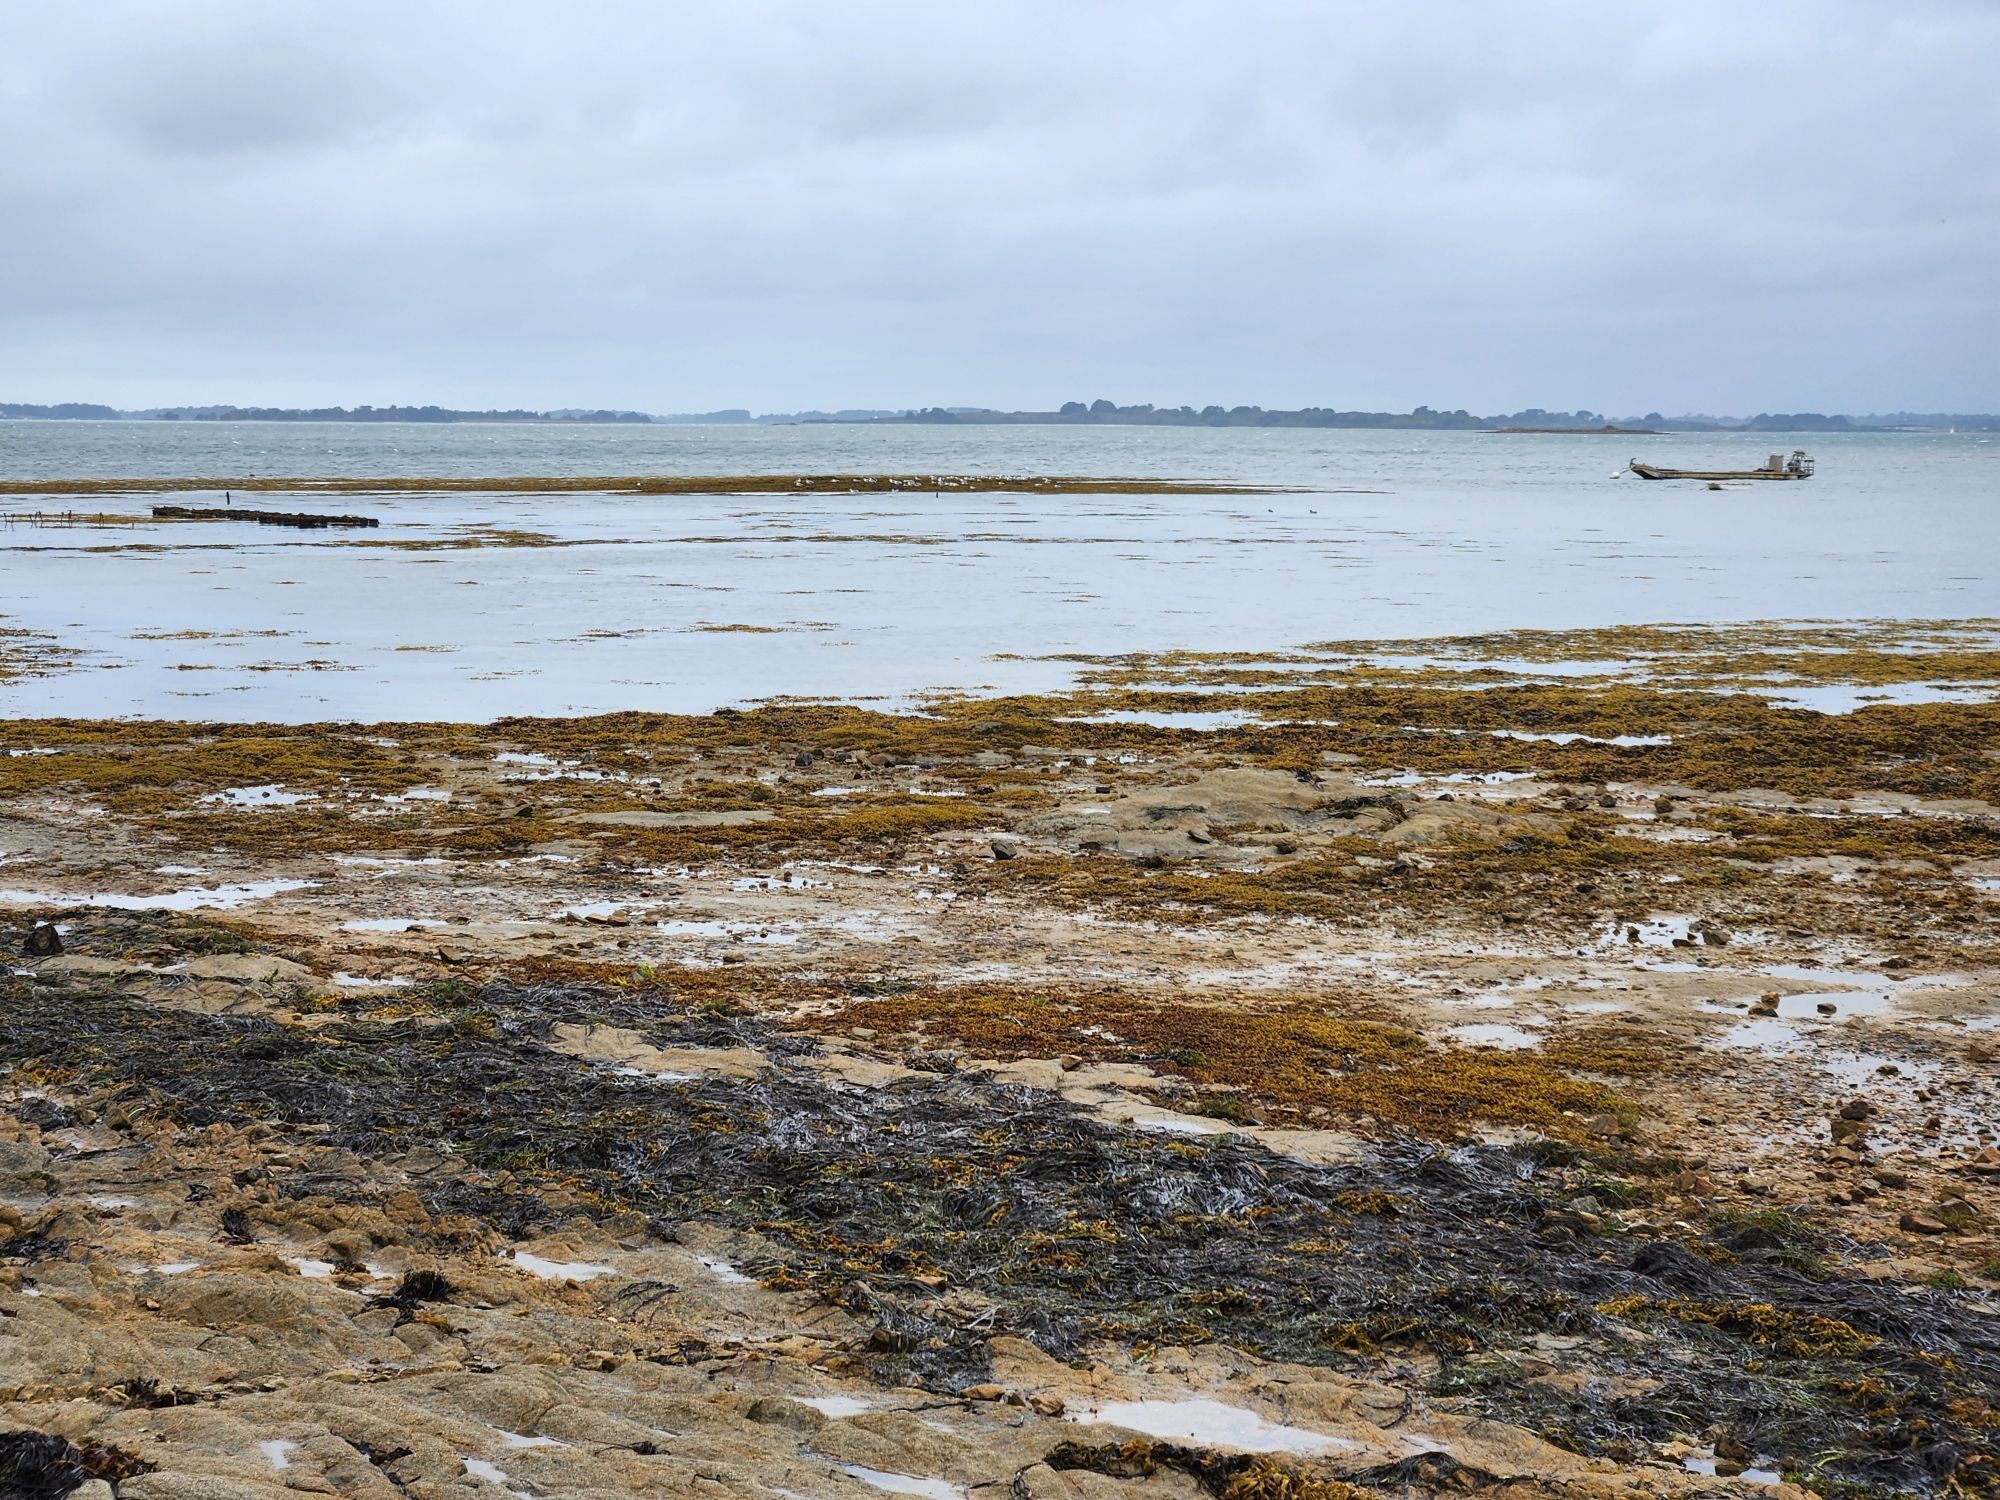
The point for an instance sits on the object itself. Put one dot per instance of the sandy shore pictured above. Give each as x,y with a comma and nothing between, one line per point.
1339,1075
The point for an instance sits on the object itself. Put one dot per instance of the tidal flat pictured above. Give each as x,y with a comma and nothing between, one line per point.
1562,1061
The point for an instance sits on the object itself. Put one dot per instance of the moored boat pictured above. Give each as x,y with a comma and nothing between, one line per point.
1798,466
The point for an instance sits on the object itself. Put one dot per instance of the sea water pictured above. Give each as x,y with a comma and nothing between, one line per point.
690,602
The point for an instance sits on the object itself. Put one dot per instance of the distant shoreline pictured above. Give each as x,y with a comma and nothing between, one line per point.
1605,431
643,484
1070,414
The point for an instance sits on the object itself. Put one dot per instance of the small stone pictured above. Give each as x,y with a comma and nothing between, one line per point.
1979,1052
1046,1404
1069,1062
43,942
451,953
1005,849
1857,1108
1913,1222
988,1392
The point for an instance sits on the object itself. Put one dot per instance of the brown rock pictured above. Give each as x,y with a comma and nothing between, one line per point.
1857,1108
1046,1404
988,1392
1913,1222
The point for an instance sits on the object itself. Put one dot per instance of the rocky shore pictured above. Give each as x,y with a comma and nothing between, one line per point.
1387,1085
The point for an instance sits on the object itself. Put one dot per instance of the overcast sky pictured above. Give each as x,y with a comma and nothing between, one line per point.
1679,206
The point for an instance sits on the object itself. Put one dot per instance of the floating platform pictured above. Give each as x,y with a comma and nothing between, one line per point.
1798,466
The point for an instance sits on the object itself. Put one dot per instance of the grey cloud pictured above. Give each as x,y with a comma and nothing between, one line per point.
1698,206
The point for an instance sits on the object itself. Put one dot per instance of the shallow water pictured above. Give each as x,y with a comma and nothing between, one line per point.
1211,1423
903,1484
886,596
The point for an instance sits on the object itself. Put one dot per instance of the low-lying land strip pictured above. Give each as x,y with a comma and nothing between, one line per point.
638,484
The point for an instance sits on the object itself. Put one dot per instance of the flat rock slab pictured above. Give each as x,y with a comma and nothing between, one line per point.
621,1047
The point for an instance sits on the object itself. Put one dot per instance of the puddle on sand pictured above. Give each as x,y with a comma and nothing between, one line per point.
1454,778
1844,1003
479,1468
903,1484
1659,931
200,898
278,1452
1862,1069
1764,1034
777,935
583,911
1752,1476
724,1272
522,1440
307,1266
1170,1124
560,1270
270,794
836,1406
1507,1038
1211,1423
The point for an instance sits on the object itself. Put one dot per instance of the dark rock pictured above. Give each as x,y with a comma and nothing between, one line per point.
43,942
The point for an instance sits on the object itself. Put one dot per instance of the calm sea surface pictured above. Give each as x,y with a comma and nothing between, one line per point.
878,597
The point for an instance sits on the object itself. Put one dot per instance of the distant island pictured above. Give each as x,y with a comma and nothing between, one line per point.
1070,414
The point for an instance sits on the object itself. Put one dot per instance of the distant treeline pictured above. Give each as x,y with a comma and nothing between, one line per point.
1425,418
1070,413
78,410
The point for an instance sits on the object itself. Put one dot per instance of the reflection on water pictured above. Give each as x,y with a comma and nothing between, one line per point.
689,602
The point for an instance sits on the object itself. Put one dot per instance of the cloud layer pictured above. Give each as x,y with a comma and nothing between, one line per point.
1699,206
